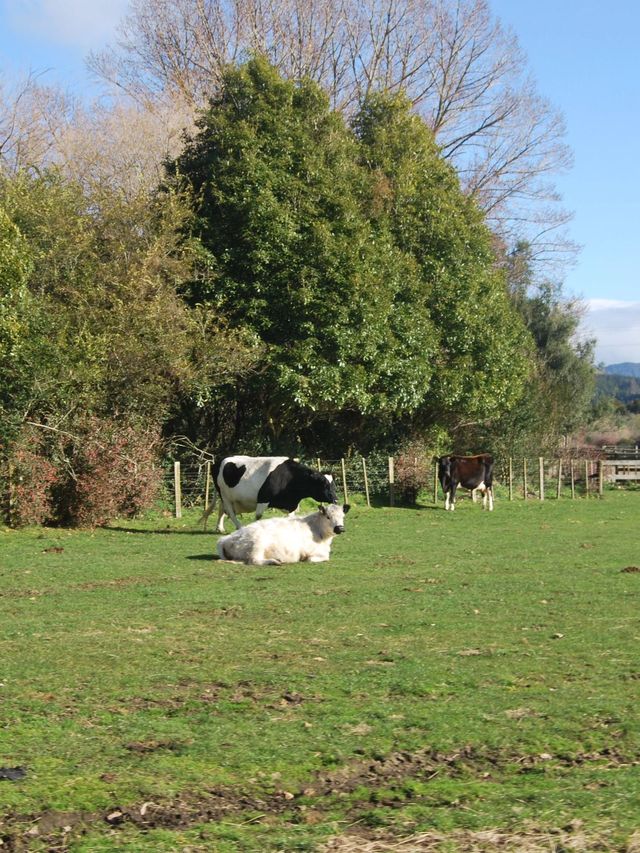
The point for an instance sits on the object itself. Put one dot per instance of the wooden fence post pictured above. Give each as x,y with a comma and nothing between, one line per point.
391,483
559,478
207,485
9,493
541,476
510,479
366,481
177,489
586,478
344,482
524,479
600,479
573,479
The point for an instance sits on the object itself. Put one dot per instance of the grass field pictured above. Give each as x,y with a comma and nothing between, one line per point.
470,681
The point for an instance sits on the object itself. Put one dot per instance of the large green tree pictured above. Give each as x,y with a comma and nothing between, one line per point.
480,353
354,257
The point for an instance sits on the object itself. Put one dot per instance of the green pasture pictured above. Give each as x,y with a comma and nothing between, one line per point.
444,672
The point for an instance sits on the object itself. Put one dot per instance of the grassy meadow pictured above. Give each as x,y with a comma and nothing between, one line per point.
443,676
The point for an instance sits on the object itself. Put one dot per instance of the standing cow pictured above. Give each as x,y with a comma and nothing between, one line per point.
470,472
255,483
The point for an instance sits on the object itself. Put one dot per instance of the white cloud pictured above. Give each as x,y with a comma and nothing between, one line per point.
616,326
74,23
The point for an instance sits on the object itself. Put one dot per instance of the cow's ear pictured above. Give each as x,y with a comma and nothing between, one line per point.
346,508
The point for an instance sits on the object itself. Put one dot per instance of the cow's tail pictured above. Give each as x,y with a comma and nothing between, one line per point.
207,512
213,492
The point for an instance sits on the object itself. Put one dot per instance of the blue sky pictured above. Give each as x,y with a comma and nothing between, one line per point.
584,57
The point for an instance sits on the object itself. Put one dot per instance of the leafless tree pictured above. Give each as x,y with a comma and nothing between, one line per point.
118,144
122,145
31,117
462,71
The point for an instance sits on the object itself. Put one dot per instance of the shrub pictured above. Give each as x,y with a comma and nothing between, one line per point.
413,466
31,481
113,471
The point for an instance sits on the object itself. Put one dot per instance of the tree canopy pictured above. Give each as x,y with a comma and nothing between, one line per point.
302,280
354,256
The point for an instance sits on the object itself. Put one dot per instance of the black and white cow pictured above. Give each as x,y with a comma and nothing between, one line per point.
255,483
470,472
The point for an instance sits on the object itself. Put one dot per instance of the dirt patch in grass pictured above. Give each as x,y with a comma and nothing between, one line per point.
196,695
429,763
143,746
56,830
570,838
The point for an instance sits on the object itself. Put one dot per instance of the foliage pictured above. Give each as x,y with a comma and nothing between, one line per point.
298,284
32,479
105,470
106,271
294,258
463,72
112,470
92,323
348,255
16,322
413,468
479,348
560,387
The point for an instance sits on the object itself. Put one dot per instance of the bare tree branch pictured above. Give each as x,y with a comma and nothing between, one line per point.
462,71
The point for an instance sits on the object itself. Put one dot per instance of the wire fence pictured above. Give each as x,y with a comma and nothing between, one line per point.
376,480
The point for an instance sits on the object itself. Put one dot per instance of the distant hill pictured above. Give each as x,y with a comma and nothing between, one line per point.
623,388
626,368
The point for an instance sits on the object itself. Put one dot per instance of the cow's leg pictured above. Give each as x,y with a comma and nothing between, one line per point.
227,507
257,557
256,562
474,496
221,518
454,486
490,496
482,488
446,499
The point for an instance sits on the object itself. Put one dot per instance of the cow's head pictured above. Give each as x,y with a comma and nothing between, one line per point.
444,468
326,488
335,514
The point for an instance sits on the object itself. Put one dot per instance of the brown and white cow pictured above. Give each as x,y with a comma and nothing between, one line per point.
470,472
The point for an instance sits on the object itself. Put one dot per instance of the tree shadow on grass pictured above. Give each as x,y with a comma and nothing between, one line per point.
158,531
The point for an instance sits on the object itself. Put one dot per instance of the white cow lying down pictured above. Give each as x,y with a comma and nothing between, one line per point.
285,540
